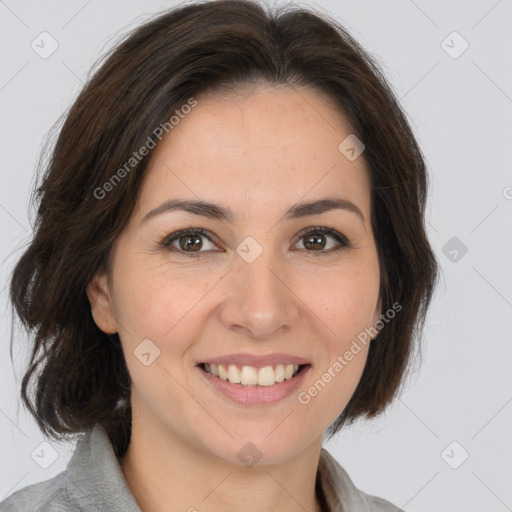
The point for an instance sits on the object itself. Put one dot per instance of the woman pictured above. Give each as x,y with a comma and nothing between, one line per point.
229,262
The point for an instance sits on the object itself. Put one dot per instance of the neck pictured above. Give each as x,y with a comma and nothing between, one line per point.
166,473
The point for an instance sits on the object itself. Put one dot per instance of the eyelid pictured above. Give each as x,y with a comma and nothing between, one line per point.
343,241
334,233
168,239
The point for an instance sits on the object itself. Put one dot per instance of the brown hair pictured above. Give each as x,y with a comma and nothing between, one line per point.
222,45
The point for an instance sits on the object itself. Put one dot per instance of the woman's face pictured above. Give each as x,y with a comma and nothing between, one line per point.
264,281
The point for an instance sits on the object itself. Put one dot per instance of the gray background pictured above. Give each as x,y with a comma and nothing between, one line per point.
461,110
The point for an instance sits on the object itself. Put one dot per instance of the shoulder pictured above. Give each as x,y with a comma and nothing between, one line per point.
48,495
342,494
93,480
376,504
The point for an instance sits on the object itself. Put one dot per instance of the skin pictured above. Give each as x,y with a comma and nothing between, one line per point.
258,154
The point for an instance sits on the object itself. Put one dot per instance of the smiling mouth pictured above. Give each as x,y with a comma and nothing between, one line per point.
252,376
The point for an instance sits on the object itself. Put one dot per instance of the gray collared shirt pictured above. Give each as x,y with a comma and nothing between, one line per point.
94,482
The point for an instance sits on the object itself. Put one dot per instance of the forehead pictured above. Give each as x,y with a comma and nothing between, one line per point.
256,151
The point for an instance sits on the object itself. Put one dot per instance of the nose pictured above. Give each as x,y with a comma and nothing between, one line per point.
259,298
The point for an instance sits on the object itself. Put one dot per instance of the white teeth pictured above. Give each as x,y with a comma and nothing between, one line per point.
251,376
248,375
266,376
214,369
223,374
233,374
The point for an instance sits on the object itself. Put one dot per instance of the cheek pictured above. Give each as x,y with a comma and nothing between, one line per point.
152,302
346,302
345,306
326,394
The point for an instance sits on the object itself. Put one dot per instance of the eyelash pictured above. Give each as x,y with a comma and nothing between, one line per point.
343,241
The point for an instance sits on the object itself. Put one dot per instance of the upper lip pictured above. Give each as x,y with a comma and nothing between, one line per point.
256,361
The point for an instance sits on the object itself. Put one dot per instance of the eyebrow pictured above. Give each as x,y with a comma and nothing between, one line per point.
214,211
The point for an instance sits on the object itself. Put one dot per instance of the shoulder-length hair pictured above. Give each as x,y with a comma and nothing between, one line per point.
79,372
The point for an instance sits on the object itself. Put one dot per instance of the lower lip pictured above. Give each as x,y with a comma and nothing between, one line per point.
256,395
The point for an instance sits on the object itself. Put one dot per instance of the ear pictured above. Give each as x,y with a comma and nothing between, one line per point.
102,307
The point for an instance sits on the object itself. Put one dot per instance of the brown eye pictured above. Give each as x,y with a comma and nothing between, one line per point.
188,242
315,240
192,242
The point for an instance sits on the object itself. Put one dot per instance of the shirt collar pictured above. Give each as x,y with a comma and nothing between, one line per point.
339,491
95,480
